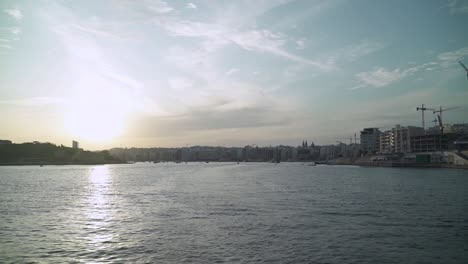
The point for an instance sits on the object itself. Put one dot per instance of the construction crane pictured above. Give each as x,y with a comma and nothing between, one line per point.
464,67
439,116
441,126
423,108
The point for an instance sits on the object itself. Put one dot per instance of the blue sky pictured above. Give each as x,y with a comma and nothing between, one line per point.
177,73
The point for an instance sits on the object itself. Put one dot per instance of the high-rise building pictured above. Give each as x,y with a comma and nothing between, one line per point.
398,139
75,144
386,142
370,140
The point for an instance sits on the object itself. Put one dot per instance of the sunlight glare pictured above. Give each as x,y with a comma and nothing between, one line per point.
97,116
98,211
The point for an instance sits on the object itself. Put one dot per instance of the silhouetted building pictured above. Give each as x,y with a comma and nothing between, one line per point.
75,144
370,140
5,142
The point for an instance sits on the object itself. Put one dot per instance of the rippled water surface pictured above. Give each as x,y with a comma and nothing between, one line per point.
227,212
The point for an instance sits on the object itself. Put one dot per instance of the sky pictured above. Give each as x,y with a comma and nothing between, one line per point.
156,73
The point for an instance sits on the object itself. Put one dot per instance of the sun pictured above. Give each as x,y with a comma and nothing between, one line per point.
95,124
96,118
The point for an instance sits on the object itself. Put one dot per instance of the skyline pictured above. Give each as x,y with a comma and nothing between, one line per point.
155,73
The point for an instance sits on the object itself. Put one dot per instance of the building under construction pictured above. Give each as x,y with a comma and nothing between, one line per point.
398,139
434,142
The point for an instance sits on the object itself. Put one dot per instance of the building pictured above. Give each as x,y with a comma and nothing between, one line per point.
75,144
432,142
386,142
207,155
329,152
461,129
398,139
370,140
5,142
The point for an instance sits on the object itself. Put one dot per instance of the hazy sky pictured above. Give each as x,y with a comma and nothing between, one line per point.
176,73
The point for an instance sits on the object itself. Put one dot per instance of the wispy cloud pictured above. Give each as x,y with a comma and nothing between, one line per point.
458,6
268,42
191,6
5,46
97,32
180,84
300,44
352,53
34,101
259,40
15,13
159,6
232,71
452,57
381,77
232,122
15,30
11,34
387,111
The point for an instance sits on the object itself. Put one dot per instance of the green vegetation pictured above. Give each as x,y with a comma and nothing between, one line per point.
47,153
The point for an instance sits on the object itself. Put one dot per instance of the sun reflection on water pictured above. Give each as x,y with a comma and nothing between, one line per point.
98,210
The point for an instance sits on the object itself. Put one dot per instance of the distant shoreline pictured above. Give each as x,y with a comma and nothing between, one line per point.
55,163
360,164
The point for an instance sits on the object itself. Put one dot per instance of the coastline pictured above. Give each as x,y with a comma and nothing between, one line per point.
400,164
386,164
56,163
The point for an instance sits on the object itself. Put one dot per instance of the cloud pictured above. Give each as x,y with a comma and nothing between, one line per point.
15,30
194,61
458,6
15,13
264,41
205,119
5,46
351,53
300,44
34,101
191,6
386,111
232,71
160,7
12,34
452,57
180,84
97,32
379,77
98,75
